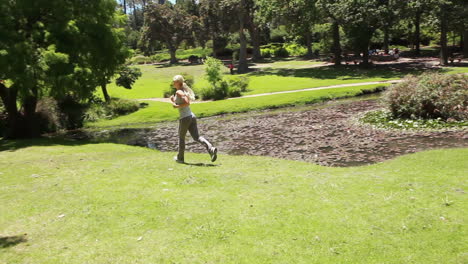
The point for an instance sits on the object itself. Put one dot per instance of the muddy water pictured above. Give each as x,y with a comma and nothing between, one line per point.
326,134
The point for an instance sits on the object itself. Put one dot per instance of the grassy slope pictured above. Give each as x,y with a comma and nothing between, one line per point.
245,210
278,76
158,111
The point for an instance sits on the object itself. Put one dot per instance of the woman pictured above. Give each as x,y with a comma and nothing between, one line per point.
187,120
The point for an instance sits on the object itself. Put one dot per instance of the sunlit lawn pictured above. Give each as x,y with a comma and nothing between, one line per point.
103,203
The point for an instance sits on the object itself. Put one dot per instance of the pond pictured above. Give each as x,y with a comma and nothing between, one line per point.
326,134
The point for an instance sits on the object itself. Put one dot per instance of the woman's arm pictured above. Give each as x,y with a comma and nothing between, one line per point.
184,98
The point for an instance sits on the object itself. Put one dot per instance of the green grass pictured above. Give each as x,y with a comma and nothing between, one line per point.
282,75
106,203
154,81
159,111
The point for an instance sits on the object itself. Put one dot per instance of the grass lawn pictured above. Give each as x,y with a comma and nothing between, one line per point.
159,111
281,75
106,203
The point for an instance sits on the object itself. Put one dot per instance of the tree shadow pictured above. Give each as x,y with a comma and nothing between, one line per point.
349,72
200,164
13,145
11,241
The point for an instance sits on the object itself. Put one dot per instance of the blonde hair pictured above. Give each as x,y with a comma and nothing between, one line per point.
187,90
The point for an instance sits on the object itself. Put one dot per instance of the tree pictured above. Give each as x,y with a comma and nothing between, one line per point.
169,24
299,16
127,77
47,49
416,9
329,9
238,9
216,22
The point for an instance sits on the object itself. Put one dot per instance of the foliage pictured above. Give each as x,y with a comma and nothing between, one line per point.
213,73
141,59
128,76
189,80
116,107
164,23
221,87
295,49
50,48
429,96
385,119
281,53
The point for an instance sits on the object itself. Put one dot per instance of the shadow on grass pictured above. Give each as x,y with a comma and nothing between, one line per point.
200,164
349,72
13,145
11,241
168,65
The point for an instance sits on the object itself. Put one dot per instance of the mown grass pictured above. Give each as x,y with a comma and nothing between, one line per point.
104,203
277,75
159,111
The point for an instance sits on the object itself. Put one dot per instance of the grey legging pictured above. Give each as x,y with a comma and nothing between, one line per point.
190,123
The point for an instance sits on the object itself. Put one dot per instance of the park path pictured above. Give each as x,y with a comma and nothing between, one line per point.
166,100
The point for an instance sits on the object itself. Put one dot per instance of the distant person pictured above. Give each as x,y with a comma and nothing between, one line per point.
187,120
231,68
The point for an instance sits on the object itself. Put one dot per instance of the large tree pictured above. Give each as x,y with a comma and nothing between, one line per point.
216,23
170,24
238,11
47,48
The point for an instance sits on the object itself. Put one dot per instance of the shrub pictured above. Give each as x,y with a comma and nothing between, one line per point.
116,107
295,49
429,96
240,82
140,59
217,91
221,87
235,55
213,71
73,112
385,119
229,86
193,59
266,53
189,80
50,117
282,53
127,77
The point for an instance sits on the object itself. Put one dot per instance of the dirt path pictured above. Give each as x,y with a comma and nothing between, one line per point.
325,135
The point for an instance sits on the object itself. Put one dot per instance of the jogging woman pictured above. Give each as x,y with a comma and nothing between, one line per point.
187,120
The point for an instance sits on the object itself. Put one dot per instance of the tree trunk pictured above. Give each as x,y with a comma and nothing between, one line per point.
386,37
243,67
254,33
417,33
125,6
105,93
9,96
172,51
465,43
308,38
443,37
336,42
215,53
135,17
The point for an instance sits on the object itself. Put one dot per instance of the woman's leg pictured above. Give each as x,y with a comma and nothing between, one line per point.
184,124
194,132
